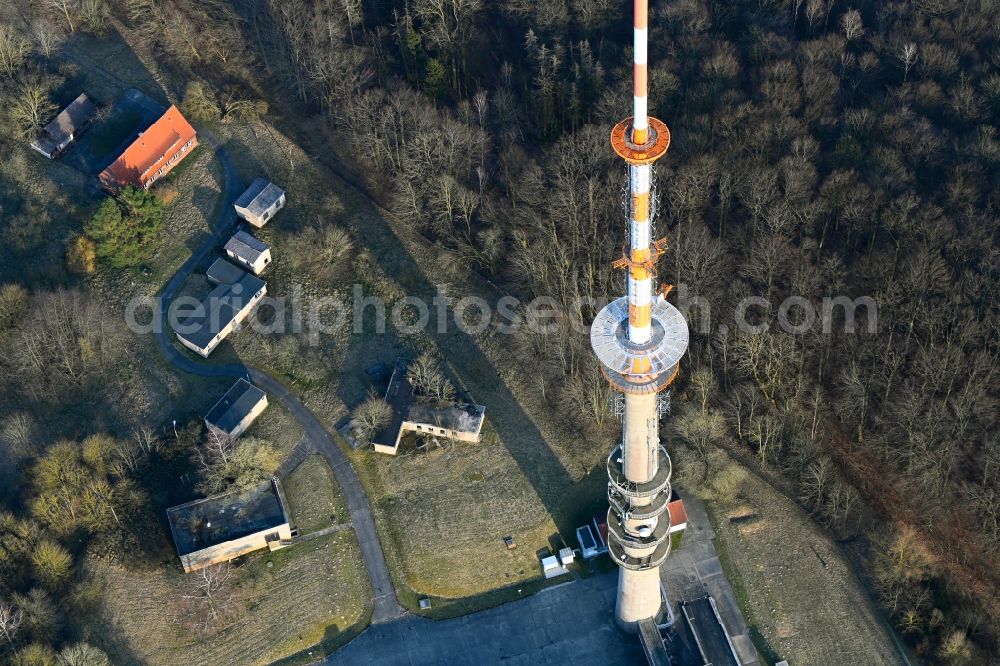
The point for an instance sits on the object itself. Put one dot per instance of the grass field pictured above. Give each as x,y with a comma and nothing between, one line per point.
284,603
312,495
311,592
277,426
798,593
42,203
106,66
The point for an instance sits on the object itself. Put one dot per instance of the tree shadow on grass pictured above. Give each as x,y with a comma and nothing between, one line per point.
517,430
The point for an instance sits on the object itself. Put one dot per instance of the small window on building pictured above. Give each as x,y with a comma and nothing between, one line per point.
266,215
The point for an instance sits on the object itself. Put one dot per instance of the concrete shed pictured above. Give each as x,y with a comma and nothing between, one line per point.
221,528
463,422
225,307
64,129
260,202
224,272
237,409
248,251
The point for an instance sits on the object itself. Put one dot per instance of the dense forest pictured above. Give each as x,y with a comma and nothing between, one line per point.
819,149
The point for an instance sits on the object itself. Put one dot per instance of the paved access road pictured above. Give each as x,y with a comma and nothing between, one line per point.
571,624
694,570
386,605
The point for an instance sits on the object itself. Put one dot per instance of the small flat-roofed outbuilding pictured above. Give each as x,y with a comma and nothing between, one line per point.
248,251
222,310
237,409
64,129
221,528
224,272
260,202
462,422
590,540
678,515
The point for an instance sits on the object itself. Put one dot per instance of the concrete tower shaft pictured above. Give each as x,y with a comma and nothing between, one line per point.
639,340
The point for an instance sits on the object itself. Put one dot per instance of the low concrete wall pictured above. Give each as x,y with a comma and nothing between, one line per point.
426,428
460,435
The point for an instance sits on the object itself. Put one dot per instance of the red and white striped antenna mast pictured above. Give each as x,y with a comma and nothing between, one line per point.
639,340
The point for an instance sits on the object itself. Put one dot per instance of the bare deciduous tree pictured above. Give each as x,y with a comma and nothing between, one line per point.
210,590
67,9
372,415
243,110
850,22
13,50
908,57
17,432
94,15
700,429
48,40
14,301
814,482
217,448
66,339
11,618
815,9
31,109
427,380
83,654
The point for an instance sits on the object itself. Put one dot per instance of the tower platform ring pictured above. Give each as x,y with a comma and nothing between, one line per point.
617,552
624,507
639,384
625,487
618,355
654,149
634,541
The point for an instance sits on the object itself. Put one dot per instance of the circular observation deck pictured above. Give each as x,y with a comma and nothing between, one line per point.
657,360
655,147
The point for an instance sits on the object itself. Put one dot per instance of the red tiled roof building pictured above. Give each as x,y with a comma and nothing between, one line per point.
154,154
